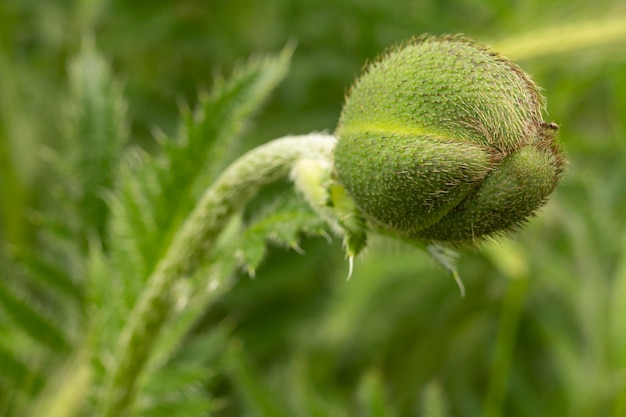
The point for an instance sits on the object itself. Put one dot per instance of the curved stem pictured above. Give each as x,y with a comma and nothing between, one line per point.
228,194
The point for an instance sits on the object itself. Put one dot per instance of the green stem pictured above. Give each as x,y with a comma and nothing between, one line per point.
12,188
228,194
564,38
66,396
503,357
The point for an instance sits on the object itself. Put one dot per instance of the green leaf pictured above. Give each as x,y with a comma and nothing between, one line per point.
153,198
155,195
179,391
17,374
447,259
179,385
96,133
351,221
47,273
281,222
107,309
188,365
32,321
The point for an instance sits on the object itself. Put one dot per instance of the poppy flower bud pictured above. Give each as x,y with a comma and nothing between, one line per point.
443,140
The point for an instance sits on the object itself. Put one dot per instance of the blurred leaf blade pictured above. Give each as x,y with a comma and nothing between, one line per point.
17,374
32,321
48,274
96,133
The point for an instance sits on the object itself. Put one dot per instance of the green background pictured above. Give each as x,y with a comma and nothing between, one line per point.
542,331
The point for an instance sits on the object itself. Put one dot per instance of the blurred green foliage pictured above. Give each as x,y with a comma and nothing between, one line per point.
542,330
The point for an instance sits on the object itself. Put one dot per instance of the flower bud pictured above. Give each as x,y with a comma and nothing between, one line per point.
442,140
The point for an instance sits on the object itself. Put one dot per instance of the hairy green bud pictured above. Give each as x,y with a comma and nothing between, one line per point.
442,140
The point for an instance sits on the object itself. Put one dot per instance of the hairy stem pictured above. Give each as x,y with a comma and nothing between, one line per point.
228,194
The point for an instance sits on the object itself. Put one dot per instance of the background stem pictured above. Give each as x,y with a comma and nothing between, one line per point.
564,38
